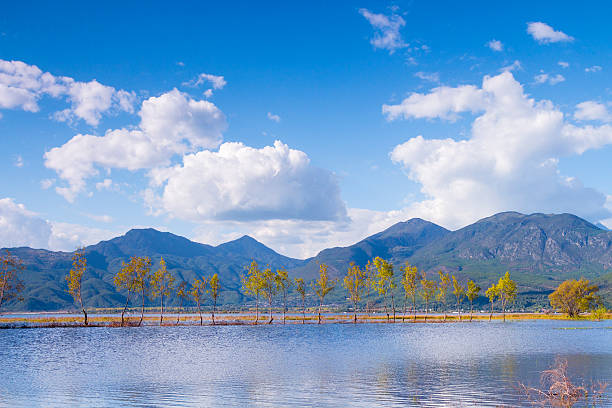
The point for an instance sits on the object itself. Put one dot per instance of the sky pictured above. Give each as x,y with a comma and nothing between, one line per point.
305,125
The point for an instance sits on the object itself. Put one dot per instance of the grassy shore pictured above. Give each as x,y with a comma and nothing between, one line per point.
225,318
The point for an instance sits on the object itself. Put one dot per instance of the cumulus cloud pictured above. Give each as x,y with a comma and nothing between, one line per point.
509,162
545,34
495,45
550,79
274,117
386,30
591,110
23,85
170,124
21,227
515,66
239,182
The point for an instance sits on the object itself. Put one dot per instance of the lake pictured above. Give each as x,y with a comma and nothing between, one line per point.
366,365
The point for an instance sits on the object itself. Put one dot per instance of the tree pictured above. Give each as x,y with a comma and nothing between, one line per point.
252,285
459,292
354,282
182,294
213,282
126,279
300,288
443,289
323,286
198,289
384,282
162,284
370,285
573,297
74,278
283,283
269,288
409,282
472,293
10,284
428,290
492,293
506,288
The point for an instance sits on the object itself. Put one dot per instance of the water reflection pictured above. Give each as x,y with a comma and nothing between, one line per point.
328,365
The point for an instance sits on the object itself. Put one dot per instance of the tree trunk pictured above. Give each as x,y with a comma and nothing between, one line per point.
257,309
161,314
386,308
270,308
426,310
303,311
127,300
284,307
504,310
200,312
178,316
355,312
404,312
459,310
320,304
393,306
213,311
491,314
414,307
142,310
83,308
471,310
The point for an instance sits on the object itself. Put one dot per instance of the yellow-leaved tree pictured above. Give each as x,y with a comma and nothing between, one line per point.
443,287
573,297
213,282
283,283
410,275
428,291
269,288
472,294
198,289
10,284
162,284
300,288
506,289
75,277
182,294
125,280
323,286
385,283
355,282
252,285
459,292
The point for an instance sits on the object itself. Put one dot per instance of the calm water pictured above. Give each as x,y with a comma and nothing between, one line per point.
370,365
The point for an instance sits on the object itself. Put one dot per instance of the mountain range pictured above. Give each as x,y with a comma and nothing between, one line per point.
540,250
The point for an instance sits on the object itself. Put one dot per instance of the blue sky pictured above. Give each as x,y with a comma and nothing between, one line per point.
296,123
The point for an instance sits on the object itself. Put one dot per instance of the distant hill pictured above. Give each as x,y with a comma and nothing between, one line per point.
540,250
44,277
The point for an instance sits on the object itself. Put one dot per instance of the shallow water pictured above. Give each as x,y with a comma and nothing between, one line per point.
364,365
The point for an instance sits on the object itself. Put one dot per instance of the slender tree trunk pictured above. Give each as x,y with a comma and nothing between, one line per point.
270,308
444,306
284,306
320,304
386,308
161,314
504,310
127,300
142,310
404,312
178,316
414,307
303,310
393,306
200,312
83,308
471,310
459,310
355,312
426,310
491,314
257,309
213,311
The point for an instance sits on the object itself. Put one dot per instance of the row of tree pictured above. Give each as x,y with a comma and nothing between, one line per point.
377,276
136,279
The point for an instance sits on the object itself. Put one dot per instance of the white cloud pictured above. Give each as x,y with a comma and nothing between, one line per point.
550,79
100,218
238,182
428,76
509,162
563,64
545,34
495,45
443,102
22,85
515,66
18,161
274,117
591,110
217,82
386,30
106,184
21,227
171,124
47,183
594,68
